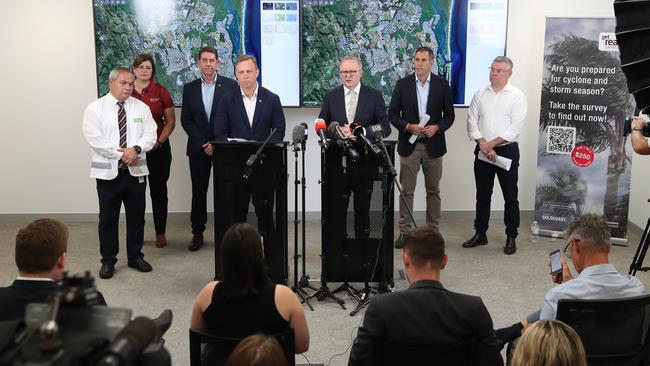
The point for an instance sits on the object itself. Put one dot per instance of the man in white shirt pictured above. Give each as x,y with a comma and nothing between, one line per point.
589,246
495,120
120,130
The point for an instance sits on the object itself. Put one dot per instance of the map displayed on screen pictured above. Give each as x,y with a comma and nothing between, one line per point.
171,31
383,34
465,36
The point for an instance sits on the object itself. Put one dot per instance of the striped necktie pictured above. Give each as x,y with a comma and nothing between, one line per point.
121,118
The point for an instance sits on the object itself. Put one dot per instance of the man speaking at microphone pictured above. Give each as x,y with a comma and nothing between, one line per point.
251,112
348,103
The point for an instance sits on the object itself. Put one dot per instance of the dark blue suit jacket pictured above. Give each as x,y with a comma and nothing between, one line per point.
193,118
425,314
232,121
14,299
371,108
404,109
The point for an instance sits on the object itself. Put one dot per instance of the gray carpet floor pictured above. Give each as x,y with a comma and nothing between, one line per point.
511,286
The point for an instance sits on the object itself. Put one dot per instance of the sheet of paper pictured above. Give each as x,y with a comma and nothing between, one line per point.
423,122
501,162
237,139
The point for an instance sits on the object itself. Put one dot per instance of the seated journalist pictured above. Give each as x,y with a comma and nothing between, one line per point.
245,301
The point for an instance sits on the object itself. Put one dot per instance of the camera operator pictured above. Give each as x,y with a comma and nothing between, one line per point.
41,250
640,143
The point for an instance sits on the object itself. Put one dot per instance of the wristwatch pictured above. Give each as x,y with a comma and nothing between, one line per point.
137,148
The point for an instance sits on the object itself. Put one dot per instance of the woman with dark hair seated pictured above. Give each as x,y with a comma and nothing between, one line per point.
245,301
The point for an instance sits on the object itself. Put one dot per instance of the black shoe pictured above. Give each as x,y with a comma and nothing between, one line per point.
107,270
479,238
196,244
510,247
141,265
162,322
399,242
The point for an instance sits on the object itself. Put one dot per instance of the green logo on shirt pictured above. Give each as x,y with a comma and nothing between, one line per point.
138,120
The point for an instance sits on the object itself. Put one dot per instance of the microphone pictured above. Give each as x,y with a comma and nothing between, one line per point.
129,343
250,163
378,133
297,136
360,132
338,135
320,126
305,127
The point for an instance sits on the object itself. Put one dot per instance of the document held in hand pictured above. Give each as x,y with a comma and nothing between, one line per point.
501,162
423,122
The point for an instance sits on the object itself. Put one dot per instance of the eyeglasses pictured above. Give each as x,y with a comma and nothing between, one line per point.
348,72
566,247
498,71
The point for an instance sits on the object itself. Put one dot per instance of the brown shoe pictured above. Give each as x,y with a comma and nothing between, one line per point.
161,241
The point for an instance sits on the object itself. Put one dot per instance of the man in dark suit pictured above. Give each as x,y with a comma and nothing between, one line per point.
40,256
251,112
200,100
419,94
352,102
426,313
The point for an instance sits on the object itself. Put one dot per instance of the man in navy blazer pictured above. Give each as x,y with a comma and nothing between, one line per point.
352,102
421,93
251,112
425,314
41,249
200,100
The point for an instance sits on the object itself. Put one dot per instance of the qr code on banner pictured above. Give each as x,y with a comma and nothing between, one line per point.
561,140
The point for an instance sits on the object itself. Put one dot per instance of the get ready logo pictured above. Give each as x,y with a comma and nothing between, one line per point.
607,42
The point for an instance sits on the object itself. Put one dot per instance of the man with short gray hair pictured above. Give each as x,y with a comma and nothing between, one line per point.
588,247
120,130
495,120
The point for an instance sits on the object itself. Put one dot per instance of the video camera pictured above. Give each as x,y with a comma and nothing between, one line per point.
71,331
627,126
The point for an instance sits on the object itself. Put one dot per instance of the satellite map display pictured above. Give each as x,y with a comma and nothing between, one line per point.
383,33
172,31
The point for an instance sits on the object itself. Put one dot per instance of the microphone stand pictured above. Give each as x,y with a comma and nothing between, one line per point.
304,279
392,171
252,160
324,291
368,291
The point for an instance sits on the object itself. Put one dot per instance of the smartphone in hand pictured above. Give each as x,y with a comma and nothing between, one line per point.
556,262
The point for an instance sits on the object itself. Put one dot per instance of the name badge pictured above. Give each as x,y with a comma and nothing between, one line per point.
138,120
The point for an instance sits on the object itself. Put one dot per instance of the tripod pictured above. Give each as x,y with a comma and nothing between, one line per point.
641,250
304,279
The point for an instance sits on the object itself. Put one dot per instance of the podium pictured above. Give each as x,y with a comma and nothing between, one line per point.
356,236
260,200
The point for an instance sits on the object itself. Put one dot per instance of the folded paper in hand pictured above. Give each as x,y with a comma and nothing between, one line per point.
423,122
501,162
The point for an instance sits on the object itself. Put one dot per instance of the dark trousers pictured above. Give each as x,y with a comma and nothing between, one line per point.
484,175
124,188
200,167
357,178
159,163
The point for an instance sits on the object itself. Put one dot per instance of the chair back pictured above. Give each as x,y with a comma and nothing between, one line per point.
220,346
613,331
463,353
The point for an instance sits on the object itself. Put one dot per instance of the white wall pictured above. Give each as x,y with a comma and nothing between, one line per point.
49,77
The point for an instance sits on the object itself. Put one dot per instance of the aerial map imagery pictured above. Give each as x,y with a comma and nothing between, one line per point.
172,32
382,33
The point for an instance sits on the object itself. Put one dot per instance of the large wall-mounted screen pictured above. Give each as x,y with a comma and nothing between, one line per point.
465,36
174,30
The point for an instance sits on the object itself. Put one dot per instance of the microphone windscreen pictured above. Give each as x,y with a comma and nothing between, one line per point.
298,134
319,124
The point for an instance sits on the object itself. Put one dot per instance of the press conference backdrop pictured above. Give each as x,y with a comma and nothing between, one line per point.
464,34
